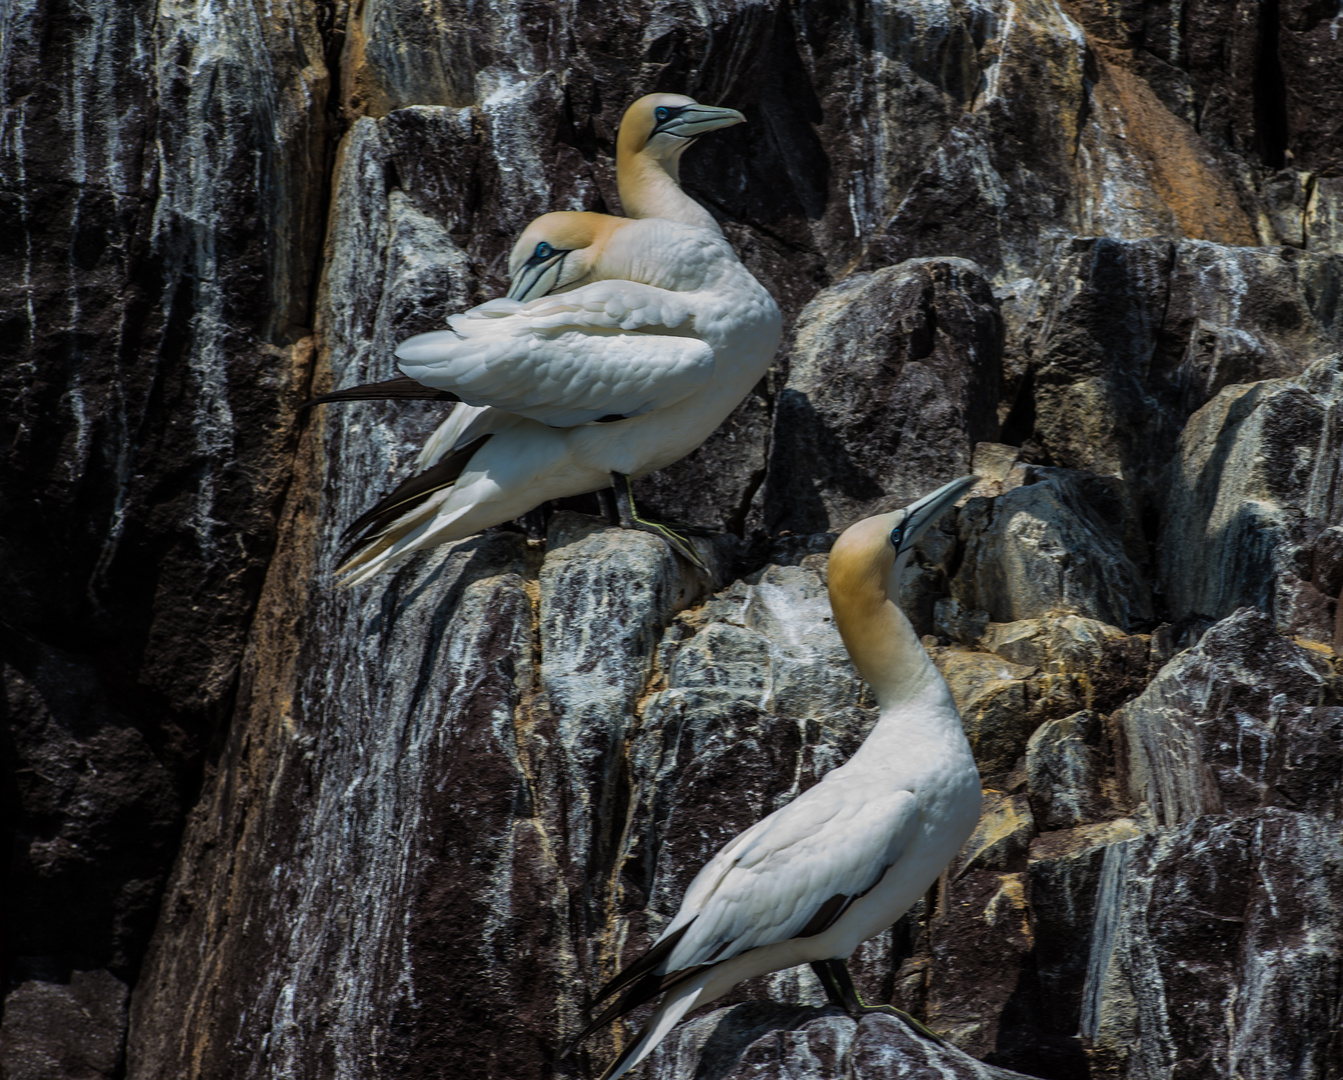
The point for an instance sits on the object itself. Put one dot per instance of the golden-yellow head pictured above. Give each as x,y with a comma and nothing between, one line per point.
866,554
663,125
557,251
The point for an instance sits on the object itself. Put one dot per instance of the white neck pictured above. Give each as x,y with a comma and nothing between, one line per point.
649,189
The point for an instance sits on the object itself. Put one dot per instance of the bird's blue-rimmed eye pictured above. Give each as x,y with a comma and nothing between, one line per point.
896,533
543,250
661,113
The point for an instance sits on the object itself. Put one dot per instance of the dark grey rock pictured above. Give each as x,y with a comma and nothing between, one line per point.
1066,767
1252,505
1245,910
780,1043
892,380
1065,873
1123,340
406,858
1064,541
65,1031
95,817
1246,719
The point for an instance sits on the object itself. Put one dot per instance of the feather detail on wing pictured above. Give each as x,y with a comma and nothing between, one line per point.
793,874
774,878
613,348
769,883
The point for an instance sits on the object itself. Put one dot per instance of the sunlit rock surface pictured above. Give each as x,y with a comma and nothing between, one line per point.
893,378
1066,541
1091,250
1255,487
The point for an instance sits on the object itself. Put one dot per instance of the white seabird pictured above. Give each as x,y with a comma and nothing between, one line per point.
849,856
621,346
654,132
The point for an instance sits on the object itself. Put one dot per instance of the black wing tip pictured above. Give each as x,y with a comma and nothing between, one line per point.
641,967
640,983
400,388
405,497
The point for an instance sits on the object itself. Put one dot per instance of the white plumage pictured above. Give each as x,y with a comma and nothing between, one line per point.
654,132
849,856
560,360
650,333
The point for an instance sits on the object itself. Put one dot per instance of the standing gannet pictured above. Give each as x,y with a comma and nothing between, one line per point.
654,132
848,857
621,346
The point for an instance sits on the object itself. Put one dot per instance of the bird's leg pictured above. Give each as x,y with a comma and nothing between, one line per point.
839,988
630,519
606,502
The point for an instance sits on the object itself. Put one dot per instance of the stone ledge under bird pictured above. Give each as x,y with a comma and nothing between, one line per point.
620,348
847,857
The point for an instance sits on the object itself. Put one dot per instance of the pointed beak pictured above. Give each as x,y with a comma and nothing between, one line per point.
696,120
920,515
536,277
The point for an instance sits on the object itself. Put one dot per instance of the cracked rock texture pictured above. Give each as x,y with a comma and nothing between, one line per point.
256,827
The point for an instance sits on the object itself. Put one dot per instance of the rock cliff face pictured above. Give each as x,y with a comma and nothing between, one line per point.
261,828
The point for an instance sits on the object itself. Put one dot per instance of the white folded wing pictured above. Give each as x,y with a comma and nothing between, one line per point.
766,885
613,348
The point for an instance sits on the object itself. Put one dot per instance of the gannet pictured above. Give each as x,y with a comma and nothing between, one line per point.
621,345
654,132
849,856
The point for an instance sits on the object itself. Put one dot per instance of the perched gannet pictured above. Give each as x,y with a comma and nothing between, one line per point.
654,132
848,857
621,346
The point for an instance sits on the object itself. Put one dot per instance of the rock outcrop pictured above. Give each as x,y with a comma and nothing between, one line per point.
262,828
1253,508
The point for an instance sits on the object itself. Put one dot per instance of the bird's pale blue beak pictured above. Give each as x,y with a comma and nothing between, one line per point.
536,277
920,515
695,120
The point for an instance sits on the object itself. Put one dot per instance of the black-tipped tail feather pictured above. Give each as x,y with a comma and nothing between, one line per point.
641,984
405,497
401,388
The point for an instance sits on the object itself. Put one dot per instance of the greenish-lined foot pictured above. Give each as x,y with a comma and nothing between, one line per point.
839,988
630,519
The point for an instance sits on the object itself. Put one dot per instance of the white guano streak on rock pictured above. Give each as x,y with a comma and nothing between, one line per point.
1100,1003
365,830
1002,35
509,107
374,779
1323,496
222,46
870,193
1123,958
